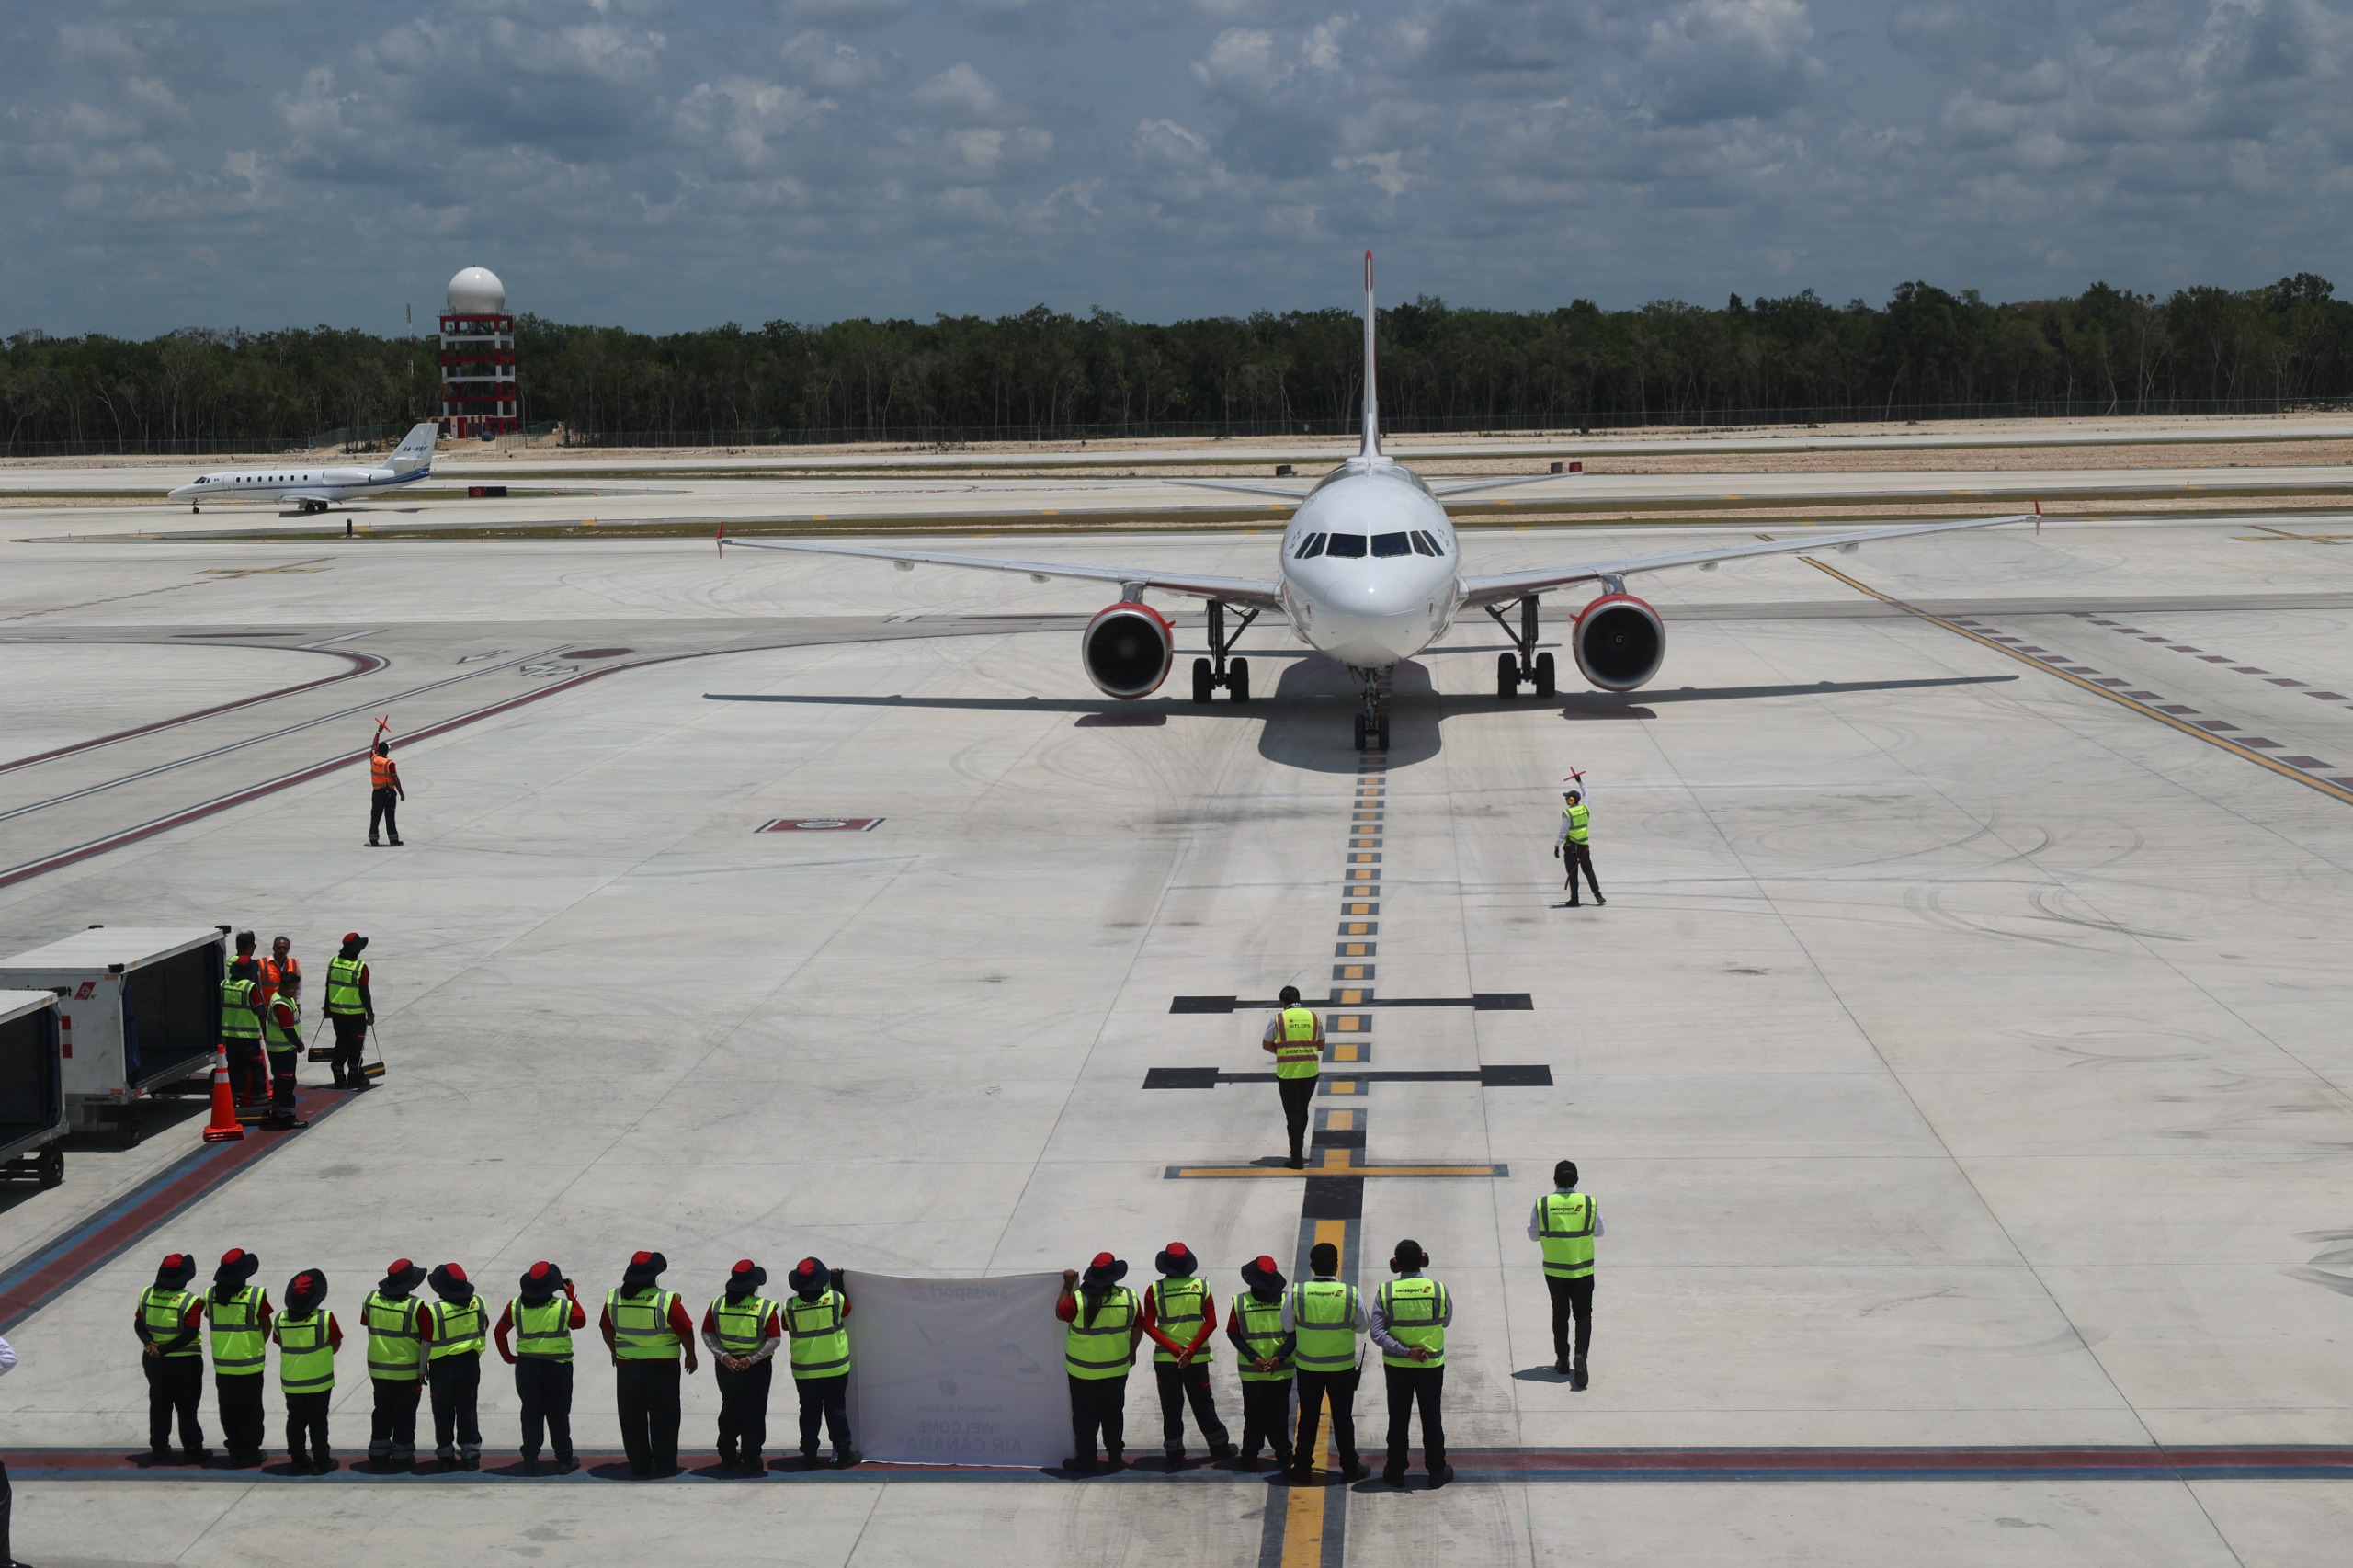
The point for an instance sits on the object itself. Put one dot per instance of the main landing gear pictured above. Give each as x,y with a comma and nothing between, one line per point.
1373,724
1219,669
1526,667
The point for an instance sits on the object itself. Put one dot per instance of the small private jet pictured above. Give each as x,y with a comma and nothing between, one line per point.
1369,574
316,489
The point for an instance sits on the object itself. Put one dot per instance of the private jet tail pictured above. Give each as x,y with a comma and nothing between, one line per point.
1371,396
415,450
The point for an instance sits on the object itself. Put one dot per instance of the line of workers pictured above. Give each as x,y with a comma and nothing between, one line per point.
1309,1334
261,1020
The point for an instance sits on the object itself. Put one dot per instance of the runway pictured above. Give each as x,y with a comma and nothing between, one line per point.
1959,1061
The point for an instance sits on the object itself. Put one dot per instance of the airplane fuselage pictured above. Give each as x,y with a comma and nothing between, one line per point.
1370,571
296,484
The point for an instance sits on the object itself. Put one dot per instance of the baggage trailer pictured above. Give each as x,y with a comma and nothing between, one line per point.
138,1014
32,1088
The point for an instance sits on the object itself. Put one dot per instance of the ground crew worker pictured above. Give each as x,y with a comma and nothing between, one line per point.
240,1314
1255,1325
385,791
1409,1318
350,1008
1106,1324
7,1498
308,1337
1565,1222
240,1007
281,1037
646,1328
1295,1037
741,1331
1573,846
169,1322
281,966
395,1364
453,1329
541,1356
1323,1316
817,1319
1178,1315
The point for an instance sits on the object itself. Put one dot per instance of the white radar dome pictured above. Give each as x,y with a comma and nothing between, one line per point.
478,289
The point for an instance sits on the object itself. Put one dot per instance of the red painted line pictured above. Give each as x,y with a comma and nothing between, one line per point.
361,663
72,1255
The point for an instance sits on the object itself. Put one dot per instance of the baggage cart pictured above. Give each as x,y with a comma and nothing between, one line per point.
138,1014
32,1088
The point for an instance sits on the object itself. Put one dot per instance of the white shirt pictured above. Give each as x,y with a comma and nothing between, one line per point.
1536,1217
1388,1343
7,1358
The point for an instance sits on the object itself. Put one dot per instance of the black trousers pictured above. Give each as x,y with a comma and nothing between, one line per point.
1180,1385
281,1082
823,1399
545,1389
8,1507
1266,1418
248,1085
383,807
393,1423
1407,1387
241,1416
743,1410
306,1425
1098,1406
457,1396
1340,1388
1298,1097
1574,855
646,1393
1571,1297
174,1385
351,1038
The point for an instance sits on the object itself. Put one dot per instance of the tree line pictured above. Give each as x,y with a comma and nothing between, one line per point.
1043,374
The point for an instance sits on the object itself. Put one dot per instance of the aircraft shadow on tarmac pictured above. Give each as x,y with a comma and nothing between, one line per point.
1306,718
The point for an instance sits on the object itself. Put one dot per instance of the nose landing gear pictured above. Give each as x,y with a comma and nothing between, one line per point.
1526,667
1219,669
1372,723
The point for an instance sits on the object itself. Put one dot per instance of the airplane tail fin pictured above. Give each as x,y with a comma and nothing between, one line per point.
1372,392
415,450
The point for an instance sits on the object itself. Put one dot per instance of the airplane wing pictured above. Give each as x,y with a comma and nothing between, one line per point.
320,497
1443,490
1258,593
1293,497
1518,584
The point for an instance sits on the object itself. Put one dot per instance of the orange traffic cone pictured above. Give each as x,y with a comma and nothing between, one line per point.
224,1128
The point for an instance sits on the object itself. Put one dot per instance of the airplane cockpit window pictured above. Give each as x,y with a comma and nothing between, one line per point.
1392,544
1312,545
1349,545
1424,544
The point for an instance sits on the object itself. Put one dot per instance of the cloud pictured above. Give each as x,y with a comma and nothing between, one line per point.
648,161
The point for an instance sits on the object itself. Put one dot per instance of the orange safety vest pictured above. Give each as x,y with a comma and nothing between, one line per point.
380,773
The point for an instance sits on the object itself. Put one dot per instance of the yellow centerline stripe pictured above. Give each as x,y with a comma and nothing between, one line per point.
2212,739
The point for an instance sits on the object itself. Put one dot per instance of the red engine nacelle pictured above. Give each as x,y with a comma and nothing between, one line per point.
1126,649
1619,641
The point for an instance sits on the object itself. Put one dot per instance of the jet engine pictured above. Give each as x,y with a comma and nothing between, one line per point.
1128,650
1619,643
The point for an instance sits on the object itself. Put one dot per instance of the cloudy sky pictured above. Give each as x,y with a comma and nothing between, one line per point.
666,164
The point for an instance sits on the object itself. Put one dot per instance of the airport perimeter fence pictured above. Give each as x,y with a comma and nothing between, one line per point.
949,435
358,440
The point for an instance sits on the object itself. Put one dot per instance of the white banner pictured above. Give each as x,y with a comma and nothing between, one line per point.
958,1371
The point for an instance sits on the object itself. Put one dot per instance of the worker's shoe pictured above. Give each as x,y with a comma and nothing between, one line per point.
380,1454
158,1455
1221,1451
469,1457
298,1462
323,1465
846,1459
404,1456
1175,1458
1393,1477
284,1124
448,1456
1561,1365
373,845
808,1458
755,1464
1115,1461
1077,1466
1357,1470
1579,1379
567,1464
396,844
1440,1476
196,1455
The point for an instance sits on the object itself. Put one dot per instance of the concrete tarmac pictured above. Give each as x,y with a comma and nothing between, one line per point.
1958,1063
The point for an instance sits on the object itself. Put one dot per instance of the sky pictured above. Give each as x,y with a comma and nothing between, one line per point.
668,165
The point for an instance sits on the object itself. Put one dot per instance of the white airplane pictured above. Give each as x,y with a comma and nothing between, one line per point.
1369,574
314,489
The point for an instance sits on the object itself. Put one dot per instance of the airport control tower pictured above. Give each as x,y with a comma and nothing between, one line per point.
478,396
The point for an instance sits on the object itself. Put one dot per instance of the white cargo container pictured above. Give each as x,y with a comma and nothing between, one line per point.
32,1090
138,1012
